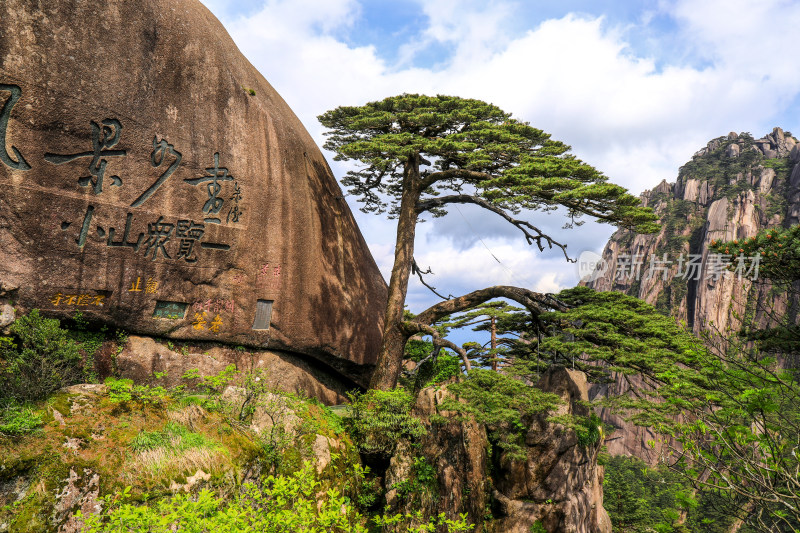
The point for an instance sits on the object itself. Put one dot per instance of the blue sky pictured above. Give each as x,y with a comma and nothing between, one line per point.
636,87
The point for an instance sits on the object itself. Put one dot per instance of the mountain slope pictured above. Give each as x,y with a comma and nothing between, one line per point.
731,189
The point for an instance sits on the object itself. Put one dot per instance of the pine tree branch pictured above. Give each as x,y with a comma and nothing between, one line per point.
535,302
523,225
410,327
453,173
419,272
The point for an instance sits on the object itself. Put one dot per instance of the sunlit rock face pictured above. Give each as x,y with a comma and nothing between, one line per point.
733,188
152,179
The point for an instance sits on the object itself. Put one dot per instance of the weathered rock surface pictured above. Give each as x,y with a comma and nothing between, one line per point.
43,483
736,199
143,356
152,179
559,485
80,492
458,453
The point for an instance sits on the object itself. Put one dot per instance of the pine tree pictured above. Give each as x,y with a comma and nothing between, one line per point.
420,154
496,318
728,413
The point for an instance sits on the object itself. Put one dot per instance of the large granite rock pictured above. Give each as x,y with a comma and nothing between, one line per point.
142,357
152,179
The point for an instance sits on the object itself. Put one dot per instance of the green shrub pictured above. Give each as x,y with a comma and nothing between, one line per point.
504,403
589,430
282,504
537,527
445,367
39,359
16,420
422,482
124,391
379,419
642,499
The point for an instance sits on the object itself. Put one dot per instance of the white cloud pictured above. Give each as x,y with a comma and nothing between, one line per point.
491,262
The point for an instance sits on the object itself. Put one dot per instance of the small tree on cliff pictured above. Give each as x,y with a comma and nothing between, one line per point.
495,318
420,154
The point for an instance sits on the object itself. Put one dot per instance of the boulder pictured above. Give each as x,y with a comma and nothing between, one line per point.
6,315
152,179
732,151
142,357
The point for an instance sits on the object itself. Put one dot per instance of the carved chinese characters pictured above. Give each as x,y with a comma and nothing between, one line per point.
160,150
5,113
103,138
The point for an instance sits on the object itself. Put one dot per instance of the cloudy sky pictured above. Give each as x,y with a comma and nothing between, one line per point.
635,87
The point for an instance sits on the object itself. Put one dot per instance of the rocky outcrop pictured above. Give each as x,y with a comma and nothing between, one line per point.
458,451
560,483
79,493
85,450
715,198
558,486
152,179
733,188
142,357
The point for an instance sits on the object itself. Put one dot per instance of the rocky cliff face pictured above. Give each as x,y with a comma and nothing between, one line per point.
152,179
559,486
731,189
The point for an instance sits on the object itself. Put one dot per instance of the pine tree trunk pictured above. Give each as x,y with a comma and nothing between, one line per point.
494,344
390,358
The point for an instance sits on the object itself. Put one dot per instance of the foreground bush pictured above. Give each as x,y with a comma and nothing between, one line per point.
380,419
37,360
284,504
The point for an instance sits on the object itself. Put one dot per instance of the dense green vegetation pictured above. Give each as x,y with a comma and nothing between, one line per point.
728,414
280,504
39,358
380,419
142,439
640,499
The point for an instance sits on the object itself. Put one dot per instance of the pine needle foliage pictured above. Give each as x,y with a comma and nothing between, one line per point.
468,145
728,415
416,154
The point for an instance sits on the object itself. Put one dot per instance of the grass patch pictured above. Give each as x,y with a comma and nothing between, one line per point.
175,451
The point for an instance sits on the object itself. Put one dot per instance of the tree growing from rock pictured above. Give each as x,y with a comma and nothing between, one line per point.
420,154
